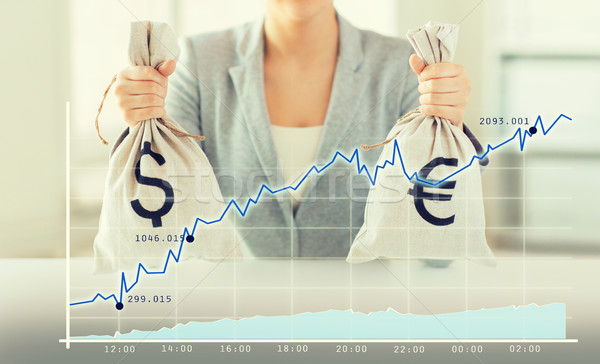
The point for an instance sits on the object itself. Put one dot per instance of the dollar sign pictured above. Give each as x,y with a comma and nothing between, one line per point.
420,195
155,216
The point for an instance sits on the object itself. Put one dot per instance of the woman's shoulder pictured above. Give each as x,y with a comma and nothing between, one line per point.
374,39
219,45
377,53
379,48
220,38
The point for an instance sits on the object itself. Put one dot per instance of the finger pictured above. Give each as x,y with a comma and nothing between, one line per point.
132,123
136,115
445,112
167,68
140,88
141,101
143,73
416,63
441,70
447,99
440,85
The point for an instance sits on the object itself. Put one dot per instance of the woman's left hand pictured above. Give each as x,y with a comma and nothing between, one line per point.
444,88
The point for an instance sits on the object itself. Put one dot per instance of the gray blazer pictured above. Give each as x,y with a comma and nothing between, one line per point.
218,91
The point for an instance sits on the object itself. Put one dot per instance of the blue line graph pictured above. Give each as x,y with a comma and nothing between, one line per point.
520,134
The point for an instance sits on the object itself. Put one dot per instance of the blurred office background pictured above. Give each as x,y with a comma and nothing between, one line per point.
525,58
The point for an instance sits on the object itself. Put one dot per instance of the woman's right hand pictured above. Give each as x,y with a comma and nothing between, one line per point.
140,92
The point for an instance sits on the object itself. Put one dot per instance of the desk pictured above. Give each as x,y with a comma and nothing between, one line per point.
34,309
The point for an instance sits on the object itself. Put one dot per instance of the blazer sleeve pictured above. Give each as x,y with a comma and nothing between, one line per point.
183,93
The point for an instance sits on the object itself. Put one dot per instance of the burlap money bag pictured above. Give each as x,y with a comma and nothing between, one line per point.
159,181
441,217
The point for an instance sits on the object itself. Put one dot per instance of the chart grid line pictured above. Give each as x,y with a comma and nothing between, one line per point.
520,134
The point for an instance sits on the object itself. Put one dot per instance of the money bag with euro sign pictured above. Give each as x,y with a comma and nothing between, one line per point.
427,199
159,182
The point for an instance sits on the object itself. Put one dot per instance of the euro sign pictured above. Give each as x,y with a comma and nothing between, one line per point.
419,194
154,216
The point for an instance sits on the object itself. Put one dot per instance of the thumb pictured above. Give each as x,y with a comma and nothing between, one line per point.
416,64
167,68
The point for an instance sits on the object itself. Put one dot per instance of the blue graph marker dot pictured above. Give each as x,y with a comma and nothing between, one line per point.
361,168
119,306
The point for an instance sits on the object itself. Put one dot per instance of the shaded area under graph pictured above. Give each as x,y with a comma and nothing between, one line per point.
526,322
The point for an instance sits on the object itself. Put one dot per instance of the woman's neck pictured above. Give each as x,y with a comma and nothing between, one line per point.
311,38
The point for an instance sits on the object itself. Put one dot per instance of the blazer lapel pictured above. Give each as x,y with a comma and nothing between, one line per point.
248,81
348,86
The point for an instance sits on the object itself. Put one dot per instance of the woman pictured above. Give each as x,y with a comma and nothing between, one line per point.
278,95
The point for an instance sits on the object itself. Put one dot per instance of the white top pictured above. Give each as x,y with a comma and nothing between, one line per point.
296,149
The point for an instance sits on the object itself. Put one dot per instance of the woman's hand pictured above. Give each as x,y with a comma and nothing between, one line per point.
444,88
140,92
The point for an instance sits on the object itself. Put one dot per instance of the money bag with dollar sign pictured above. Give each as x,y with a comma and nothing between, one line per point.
159,182
427,200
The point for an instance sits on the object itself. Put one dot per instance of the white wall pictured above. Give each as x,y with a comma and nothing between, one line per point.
35,79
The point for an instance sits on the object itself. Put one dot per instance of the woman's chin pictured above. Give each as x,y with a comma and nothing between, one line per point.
301,10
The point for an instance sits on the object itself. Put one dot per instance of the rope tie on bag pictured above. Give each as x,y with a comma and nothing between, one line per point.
373,146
